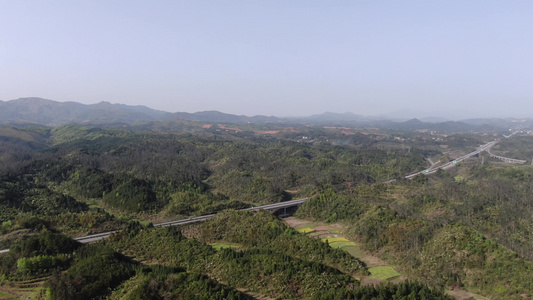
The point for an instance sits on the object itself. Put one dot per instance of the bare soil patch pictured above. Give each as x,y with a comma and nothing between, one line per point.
322,228
293,222
461,294
372,261
267,132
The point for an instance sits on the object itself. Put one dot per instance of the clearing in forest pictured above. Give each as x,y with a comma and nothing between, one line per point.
380,271
218,246
333,234
25,289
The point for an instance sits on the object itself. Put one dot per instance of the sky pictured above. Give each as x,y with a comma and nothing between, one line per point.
446,58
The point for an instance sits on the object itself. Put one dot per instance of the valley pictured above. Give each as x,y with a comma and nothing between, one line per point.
363,229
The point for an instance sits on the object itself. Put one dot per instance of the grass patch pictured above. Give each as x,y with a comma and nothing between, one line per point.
310,225
306,230
383,273
332,240
339,242
354,251
5,295
28,289
342,245
218,246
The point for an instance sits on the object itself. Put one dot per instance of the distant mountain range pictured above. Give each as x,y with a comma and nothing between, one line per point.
38,111
52,113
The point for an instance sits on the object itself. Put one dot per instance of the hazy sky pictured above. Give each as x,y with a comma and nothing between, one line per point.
473,57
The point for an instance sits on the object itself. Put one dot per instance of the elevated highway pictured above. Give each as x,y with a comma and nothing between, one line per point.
270,207
452,163
486,147
506,159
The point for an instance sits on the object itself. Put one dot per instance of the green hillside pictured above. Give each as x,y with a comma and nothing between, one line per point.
466,228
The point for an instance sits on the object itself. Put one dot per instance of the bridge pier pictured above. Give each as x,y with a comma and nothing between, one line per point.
283,214
286,211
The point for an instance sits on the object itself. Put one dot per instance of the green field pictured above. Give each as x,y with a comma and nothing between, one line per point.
342,245
332,240
306,230
339,242
383,273
354,251
218,246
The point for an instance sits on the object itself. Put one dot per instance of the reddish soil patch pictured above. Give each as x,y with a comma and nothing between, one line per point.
207,126
331,127
322,228
293,222
268,132
222,126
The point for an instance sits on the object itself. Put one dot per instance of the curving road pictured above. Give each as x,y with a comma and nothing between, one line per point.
506,159
452,163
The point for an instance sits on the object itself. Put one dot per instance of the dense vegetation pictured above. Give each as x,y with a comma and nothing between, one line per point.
468,227
97,174
438,229
160,263
94,270
263,264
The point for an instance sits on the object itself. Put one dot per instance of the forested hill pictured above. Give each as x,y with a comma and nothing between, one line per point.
59,173
468,227
77,180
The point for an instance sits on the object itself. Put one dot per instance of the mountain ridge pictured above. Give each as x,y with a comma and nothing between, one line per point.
35,110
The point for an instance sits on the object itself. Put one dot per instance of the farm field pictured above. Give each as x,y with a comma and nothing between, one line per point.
383,272
333,234
380,270
29,289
